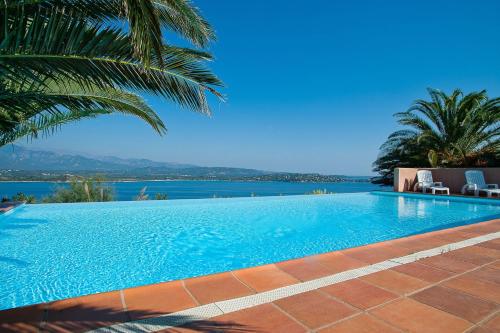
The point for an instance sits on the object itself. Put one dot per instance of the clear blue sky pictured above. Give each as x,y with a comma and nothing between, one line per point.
311,85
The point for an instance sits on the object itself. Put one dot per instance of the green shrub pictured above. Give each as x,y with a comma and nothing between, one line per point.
23,197
161,196
82,190
319,192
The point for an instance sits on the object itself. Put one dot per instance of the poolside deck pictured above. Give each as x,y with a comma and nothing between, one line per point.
444,281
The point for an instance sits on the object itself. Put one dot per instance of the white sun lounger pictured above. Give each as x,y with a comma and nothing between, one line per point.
477,184
425,182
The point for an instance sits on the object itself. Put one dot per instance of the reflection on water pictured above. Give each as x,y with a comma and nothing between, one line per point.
408,207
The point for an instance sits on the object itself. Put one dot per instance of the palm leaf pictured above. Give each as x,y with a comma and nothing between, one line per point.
46,124
145,19
53,106
91,55
448,130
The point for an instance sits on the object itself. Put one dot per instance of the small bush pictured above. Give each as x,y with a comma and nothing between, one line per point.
23,197
319,192
82,190
161,196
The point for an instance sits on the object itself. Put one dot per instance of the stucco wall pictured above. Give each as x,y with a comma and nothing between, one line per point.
454,178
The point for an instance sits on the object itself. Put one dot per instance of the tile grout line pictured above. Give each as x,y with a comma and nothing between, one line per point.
408,296
451,278
323,265
243,283
124,304
438,283
290,275
324,293
277,307
483,321
183,284
366,313
228,306
399,297
359,311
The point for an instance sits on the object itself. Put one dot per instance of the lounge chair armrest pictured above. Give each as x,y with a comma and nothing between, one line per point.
492,186
417,186
468,187
438,184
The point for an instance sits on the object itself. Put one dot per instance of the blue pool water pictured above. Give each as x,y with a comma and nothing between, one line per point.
55,251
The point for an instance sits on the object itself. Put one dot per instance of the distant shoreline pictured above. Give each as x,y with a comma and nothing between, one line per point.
185,180
38,166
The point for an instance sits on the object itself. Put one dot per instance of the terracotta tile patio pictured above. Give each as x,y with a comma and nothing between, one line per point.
457,291
315,309
265,278
360,294
216,287
157,299
398,283
456,302
413,316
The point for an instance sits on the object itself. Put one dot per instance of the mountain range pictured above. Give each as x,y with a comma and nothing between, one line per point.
20,163
21,158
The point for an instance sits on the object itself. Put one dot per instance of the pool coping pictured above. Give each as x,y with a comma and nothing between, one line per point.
243,289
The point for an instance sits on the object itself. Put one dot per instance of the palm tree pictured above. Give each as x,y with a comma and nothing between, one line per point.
64,60
453,130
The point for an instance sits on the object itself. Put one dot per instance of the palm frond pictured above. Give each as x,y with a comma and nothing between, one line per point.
65,60
448,130
61,46
66,103
145,19
184,18
46,124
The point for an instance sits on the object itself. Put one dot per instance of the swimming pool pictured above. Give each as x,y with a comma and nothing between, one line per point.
55,251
